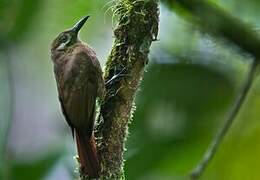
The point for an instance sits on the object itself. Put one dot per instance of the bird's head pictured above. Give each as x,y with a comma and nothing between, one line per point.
69,37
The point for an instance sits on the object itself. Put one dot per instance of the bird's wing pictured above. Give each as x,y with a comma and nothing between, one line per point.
59,84
99,75
66,116
80,91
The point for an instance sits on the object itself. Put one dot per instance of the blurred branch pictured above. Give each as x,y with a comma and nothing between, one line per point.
214,20
137,28
227,124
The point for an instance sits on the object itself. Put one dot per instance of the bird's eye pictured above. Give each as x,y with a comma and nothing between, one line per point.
63,39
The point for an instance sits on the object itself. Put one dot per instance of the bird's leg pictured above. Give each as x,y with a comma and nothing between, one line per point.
99,120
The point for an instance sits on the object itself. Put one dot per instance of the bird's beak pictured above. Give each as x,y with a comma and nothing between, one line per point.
76,28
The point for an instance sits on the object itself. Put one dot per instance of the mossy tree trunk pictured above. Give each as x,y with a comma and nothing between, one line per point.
137,28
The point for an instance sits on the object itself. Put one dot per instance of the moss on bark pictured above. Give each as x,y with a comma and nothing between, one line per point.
137,28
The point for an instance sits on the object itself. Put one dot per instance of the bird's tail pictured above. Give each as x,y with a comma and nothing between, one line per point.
89,162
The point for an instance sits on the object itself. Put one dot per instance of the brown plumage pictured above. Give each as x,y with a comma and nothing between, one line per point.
79,82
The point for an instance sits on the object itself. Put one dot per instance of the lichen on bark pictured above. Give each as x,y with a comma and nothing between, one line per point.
137,28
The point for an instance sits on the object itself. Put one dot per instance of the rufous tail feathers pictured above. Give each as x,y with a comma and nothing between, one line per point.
89,162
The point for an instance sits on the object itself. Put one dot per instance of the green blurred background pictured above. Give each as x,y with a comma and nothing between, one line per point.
187,89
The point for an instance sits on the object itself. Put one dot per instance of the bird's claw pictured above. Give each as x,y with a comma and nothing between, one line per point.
116,76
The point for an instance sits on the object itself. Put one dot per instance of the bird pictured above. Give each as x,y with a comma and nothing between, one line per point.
79,80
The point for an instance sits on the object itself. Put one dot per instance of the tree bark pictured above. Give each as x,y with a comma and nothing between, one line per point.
137,28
